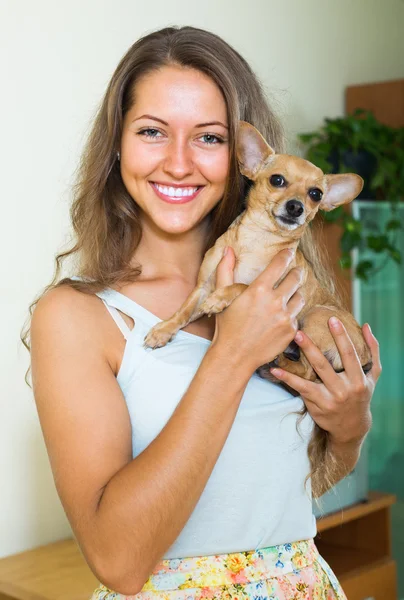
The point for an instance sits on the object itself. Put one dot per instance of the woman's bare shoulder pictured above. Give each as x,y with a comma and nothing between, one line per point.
67,317
62,301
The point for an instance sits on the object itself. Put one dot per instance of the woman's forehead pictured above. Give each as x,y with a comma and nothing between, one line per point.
174,91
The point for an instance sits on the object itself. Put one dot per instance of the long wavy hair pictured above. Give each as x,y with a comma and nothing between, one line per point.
105,218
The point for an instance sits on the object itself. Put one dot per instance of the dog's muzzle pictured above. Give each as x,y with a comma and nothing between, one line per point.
291,214
294,208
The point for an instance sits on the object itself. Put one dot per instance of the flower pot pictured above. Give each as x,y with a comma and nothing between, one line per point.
362,162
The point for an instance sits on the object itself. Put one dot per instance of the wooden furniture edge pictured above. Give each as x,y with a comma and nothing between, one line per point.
376,501
10,591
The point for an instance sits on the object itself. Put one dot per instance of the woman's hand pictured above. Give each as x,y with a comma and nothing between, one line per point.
262,321
341,403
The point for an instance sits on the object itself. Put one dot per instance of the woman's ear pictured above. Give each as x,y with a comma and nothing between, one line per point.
251,149
341,189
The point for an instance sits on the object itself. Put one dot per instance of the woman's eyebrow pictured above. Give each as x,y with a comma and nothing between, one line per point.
165,122
150,117
212,123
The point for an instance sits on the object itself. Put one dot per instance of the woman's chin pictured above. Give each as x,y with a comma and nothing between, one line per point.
177,226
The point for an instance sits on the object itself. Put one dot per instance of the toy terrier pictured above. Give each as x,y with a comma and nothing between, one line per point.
286,193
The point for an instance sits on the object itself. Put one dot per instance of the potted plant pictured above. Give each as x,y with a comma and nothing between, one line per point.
360,143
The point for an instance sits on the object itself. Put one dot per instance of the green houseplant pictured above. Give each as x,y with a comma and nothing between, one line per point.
360,143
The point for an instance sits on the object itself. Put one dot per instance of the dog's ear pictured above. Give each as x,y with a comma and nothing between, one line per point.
340,189
252,150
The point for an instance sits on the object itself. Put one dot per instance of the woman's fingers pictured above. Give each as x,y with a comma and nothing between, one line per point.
375,351
225,269
319,363
295,304
307,389
275,270
290,284
349,357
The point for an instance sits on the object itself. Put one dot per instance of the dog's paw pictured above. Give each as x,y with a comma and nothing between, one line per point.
213,305
158,336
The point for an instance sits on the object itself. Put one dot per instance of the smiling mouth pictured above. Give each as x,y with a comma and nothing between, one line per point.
176,195
174,192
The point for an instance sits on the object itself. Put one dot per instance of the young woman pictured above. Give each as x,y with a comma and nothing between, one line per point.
183,473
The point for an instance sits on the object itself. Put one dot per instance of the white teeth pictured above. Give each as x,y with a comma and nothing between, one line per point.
175,192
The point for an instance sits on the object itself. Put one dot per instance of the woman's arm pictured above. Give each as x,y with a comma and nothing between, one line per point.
126,512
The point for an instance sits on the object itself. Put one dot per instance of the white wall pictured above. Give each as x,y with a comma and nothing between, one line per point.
56,60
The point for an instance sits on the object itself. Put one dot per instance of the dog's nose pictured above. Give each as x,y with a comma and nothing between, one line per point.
294,208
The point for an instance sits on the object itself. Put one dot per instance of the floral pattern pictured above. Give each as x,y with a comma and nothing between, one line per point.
287,572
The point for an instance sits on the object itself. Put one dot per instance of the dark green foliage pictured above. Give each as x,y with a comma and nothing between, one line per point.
341,138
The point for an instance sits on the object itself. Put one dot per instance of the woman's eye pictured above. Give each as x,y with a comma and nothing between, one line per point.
277,181
209,138
315,194
150,132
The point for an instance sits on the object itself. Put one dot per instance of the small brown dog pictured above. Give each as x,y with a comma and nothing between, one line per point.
286,194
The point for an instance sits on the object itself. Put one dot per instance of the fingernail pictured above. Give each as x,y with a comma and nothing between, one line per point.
298,337
276,372
369,328
225,250
334,322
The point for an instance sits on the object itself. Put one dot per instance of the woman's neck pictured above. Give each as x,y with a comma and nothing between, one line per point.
170,256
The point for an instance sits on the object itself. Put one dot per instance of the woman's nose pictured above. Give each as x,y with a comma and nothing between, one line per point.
178,161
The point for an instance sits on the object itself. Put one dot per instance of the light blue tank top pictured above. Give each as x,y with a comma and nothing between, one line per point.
256,495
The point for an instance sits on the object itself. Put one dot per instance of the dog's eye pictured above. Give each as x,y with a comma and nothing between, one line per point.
315,194
277,181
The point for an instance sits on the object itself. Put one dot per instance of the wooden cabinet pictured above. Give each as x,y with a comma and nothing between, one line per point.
385,99
355,542
56,571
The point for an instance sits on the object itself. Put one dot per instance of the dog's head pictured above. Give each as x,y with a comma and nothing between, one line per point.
290,189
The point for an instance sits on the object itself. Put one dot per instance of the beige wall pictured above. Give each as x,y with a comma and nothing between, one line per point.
56,61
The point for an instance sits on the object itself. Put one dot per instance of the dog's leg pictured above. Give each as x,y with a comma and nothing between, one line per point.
163,332
222,298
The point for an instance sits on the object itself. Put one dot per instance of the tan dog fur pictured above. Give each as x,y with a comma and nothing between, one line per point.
259,233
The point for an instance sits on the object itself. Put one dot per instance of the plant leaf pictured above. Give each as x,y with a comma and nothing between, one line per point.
393,224
395,255
362,269
378,243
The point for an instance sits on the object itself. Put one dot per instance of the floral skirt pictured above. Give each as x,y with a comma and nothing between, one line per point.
286,572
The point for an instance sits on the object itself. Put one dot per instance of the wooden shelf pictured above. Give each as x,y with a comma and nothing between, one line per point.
56,571
356,542
345,560
376,501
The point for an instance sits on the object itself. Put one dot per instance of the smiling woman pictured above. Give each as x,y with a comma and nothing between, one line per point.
183,474
181,162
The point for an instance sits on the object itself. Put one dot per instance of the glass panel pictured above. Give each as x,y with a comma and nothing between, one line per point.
380,302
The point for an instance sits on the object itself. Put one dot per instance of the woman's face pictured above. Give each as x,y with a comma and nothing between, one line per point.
174,148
